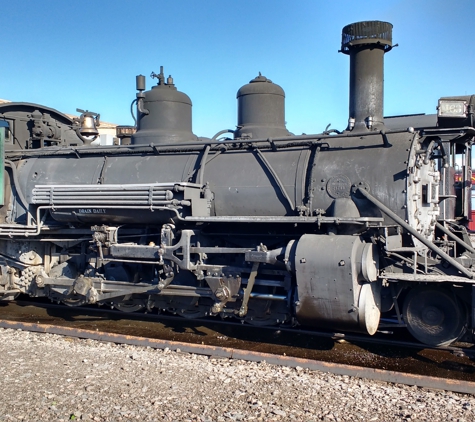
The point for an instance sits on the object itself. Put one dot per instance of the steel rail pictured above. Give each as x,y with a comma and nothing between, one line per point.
465,387
349,337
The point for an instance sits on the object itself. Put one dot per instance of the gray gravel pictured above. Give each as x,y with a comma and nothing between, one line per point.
52,378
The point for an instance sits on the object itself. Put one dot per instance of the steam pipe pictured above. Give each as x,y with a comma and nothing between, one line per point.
416,234
454,237
16,183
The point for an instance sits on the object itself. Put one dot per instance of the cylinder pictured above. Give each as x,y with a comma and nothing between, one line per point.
337,282
140,82
261,110
366,43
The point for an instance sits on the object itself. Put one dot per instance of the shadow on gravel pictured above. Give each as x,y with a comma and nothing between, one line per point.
330,347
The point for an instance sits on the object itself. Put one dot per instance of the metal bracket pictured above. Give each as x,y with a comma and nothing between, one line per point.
248,289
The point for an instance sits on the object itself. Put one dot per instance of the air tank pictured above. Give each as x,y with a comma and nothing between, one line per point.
163,113
261,110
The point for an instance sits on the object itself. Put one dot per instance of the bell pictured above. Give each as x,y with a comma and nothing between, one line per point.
88,125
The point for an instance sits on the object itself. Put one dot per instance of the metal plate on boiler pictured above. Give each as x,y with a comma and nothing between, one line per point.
339,186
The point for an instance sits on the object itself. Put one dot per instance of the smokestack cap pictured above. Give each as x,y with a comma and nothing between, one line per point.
365,33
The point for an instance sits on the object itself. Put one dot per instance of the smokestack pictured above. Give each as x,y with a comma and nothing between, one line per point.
365,43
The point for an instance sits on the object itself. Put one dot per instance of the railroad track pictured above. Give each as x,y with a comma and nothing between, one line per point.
451,369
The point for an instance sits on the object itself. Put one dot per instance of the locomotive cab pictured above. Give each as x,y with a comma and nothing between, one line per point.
457,112
461,163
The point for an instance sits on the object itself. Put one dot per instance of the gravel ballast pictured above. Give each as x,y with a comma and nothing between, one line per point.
53,378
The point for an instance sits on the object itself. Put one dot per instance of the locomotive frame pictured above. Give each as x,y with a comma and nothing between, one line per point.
358,230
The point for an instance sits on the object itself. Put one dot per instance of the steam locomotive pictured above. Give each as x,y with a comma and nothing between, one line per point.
360,230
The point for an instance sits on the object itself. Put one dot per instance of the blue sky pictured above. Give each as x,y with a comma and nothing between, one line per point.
86,54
